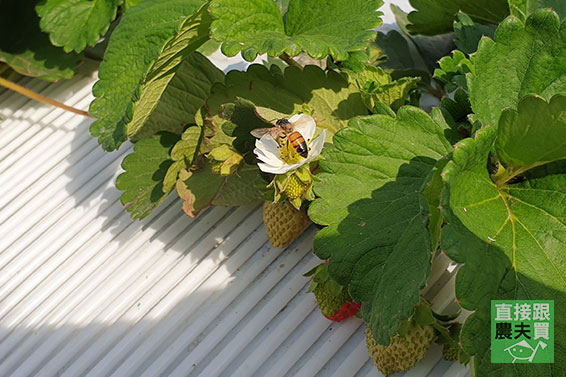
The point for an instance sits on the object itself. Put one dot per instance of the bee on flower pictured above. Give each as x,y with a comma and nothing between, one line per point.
286,151
288,145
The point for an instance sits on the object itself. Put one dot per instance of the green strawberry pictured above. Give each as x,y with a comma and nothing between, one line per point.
403,352
450,353
283,222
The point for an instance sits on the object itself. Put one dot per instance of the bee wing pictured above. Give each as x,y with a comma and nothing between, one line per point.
259,132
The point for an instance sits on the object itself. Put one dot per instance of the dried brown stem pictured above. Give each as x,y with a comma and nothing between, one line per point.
38,97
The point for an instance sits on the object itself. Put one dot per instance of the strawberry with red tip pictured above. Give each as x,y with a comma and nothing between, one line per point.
333,300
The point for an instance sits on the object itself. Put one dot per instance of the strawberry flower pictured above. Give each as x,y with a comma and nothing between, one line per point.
276,159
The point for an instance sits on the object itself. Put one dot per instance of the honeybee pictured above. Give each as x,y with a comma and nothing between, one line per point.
284,134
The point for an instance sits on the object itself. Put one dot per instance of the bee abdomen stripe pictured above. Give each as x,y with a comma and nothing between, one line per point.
297,136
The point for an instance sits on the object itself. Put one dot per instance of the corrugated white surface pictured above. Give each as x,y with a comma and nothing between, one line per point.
86,291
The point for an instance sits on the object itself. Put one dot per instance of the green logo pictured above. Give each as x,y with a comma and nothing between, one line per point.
522,331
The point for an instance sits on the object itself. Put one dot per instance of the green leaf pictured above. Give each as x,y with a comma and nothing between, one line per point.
371,203
523,8
401,53
332,27
26,48
393,94
131,3
459,107
443,117
210,47
469,33
437,16
202,188
225,160
241,119
187,147
221,153
430,48
377,87
432,192
244,187
198,188
355,62
533,135
283,5
327,96
523,59
134,45
183,154
145,169
172,174
452,71
74,24
511,239
370,74
171,107
177,83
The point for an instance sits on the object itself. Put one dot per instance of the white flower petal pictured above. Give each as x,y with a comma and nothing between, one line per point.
272,169
267,143
294,118
305,124
266,156
316,146
263,158
275,162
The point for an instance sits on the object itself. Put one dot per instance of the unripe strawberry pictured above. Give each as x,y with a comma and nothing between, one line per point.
283,222
295,187
450,353
403,352
333,299
329,303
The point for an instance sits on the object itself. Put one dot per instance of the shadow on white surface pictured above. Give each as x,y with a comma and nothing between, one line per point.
207,321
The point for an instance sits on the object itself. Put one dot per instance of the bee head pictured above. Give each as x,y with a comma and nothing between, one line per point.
283,123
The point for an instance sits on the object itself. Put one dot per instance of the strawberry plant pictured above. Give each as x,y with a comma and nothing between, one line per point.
332,128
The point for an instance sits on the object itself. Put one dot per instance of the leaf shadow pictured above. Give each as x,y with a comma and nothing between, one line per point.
158,176
132,318
271,88
385,237
343,110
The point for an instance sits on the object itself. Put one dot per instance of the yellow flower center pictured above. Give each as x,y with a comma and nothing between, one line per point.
288,153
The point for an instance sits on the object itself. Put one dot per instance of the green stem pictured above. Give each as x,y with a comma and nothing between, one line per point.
38,97
289,60
503,175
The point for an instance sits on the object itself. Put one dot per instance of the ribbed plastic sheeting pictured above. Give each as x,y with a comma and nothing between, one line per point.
85,291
